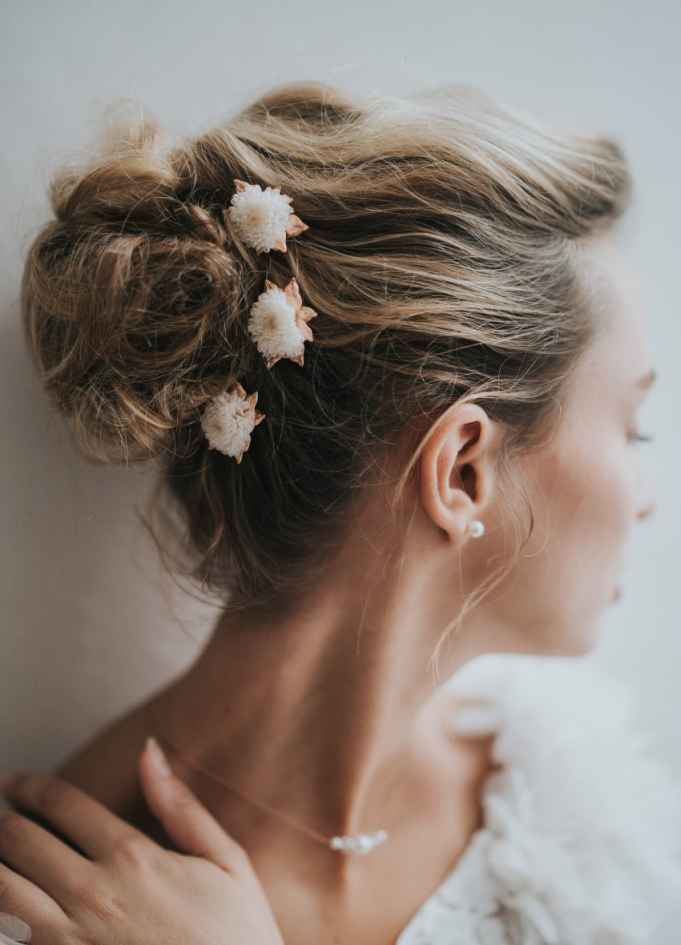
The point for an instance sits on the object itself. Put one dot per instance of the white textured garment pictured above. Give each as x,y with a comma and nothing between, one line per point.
581,835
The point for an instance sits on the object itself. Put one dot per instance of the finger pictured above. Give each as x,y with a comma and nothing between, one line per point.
95,829
21,897
40,928
39,856
191,827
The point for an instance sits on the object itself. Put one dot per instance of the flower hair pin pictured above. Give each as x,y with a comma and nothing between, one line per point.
278,323
229,419
278,320
263,218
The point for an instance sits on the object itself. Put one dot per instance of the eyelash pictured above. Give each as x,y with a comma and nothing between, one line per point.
640,438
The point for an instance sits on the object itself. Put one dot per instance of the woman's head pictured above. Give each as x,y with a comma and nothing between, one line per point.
583,483
447,261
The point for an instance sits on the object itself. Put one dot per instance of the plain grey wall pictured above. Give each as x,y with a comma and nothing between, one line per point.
88,626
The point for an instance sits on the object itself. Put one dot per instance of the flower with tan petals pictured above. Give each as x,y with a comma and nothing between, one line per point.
229,420
263,218
278,323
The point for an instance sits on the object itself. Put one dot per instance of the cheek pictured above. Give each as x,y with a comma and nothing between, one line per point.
589,507
583,500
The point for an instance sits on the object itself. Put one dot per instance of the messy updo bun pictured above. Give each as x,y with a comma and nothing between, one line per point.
132,296
442,258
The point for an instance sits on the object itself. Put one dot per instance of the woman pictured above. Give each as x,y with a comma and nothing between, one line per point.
447,354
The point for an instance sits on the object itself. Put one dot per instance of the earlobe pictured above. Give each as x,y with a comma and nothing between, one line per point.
455,470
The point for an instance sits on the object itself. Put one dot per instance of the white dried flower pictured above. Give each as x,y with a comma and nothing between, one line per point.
229,419
278,323
263,218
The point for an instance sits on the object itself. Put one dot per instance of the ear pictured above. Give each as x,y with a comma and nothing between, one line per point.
456,470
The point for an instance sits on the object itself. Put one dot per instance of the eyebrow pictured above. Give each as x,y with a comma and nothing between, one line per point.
648,379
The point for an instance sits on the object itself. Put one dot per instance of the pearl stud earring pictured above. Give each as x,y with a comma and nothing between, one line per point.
476,529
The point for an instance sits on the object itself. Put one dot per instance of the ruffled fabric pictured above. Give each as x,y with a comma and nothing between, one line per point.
580,843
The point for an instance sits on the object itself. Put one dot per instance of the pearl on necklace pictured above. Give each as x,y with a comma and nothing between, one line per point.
361,844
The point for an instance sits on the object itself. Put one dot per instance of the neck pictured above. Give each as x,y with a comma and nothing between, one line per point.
320,713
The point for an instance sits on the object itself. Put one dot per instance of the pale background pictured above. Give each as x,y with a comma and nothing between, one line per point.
88,628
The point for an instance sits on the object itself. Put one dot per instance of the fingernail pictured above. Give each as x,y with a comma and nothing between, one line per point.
158,757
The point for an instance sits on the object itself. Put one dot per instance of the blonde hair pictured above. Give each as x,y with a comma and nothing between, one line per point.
442,258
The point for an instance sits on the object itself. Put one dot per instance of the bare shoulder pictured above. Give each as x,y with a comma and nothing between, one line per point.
106,768
107,761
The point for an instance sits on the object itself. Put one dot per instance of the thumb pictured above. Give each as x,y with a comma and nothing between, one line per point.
191,827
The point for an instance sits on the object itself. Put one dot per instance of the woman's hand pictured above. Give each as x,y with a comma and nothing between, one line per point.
120,886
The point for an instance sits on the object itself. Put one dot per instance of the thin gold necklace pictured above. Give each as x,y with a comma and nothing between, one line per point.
361,843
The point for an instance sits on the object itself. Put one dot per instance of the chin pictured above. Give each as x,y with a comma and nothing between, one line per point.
581,646
577,638
580,638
